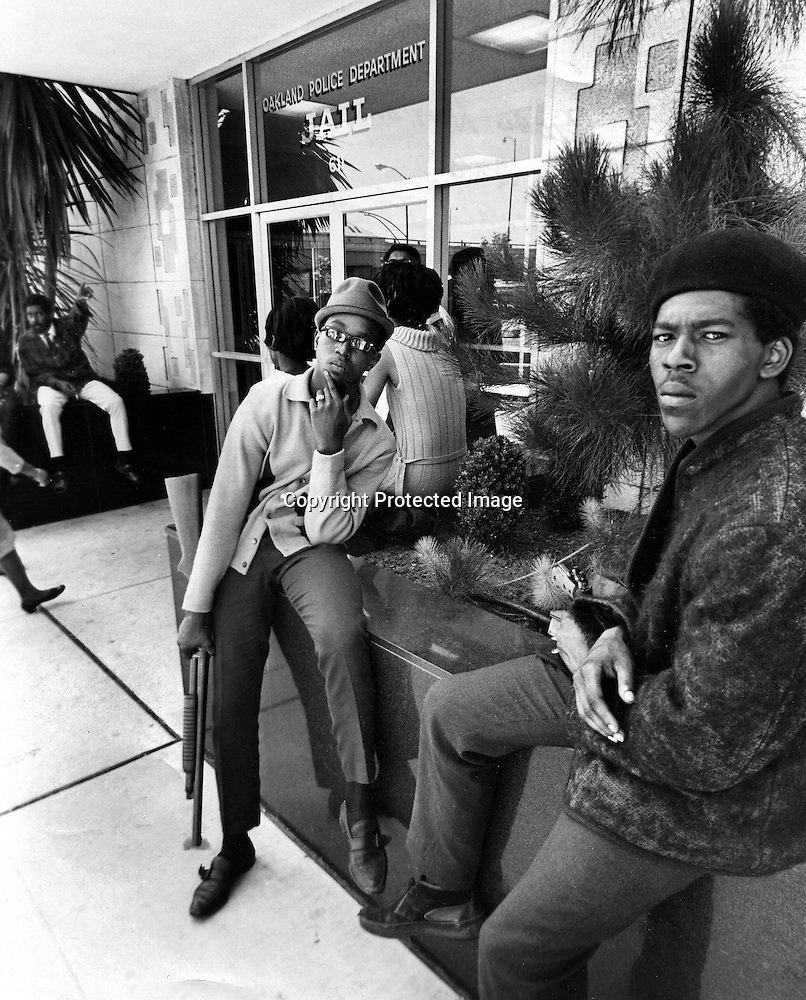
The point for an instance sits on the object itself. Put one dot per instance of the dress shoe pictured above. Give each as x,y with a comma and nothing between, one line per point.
33,603
217,882
128,471
425,909
367,863
58,480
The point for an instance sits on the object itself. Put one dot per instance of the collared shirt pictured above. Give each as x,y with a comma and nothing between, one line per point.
268,461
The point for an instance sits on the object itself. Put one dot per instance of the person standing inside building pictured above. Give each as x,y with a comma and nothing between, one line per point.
301,458
10,563
691,706
401,251
423,385
52,357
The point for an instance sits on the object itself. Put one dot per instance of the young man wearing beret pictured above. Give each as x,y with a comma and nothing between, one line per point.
696,762
293,440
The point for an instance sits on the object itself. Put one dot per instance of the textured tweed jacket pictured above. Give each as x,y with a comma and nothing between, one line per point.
64,361
713,769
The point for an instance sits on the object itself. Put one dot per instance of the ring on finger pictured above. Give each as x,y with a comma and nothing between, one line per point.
320,397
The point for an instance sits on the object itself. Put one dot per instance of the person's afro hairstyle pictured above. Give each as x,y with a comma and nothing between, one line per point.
290,328
413,292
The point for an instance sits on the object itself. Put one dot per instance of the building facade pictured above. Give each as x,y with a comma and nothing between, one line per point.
296,164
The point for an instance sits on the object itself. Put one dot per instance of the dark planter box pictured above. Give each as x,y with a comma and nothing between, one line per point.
172,433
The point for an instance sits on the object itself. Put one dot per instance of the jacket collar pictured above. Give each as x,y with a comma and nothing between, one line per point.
732,435
298,389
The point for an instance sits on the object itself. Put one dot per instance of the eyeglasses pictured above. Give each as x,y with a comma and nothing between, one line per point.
354,343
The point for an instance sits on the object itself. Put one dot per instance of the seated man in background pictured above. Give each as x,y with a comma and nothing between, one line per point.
300,459
424,387
52,357
290,331
691,737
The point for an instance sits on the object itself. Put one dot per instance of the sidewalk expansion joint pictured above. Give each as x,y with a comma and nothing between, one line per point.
89,777
109,673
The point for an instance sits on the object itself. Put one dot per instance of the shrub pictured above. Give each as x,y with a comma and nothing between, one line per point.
131,377
458,566
495,467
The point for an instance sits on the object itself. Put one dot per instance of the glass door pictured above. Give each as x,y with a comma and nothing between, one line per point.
309,254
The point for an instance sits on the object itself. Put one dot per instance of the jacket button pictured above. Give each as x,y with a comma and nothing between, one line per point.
244,565
254,541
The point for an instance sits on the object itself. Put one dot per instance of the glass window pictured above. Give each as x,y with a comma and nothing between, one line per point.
368,234
236,274
493,235
498,81
347,108
226,140
300,259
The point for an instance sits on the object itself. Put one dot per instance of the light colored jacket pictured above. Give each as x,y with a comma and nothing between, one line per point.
269,460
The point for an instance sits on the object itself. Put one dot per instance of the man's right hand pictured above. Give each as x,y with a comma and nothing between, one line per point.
194,634
609,656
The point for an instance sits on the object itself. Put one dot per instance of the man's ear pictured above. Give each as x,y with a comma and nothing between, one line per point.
371,364
777,355
316,337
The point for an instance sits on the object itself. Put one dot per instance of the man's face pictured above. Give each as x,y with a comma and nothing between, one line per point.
707,363
344,363
39,318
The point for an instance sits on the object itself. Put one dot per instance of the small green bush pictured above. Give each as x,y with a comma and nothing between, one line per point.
131,377
495,467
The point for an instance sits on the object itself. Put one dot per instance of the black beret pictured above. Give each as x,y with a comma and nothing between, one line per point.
743,261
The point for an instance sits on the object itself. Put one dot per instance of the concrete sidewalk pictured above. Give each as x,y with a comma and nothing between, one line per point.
97,877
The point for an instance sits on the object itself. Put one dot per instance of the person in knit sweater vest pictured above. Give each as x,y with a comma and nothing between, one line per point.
424,387
687,694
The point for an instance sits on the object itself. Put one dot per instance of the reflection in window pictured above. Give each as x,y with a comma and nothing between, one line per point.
492,232
348,108
226,138
369,234
498,81
300,259
238,288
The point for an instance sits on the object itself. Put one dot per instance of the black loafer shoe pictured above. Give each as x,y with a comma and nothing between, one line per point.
367,864
424,909
128,471
216,884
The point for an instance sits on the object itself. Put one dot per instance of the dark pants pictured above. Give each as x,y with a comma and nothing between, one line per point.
468,724
581,888
323,589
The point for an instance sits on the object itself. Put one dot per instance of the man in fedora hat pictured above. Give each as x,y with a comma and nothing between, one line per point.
301,456
690,728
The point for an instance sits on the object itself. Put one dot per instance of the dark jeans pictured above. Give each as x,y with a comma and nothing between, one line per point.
581,889
469,722
323,589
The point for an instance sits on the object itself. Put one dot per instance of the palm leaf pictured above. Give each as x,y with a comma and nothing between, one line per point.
62,146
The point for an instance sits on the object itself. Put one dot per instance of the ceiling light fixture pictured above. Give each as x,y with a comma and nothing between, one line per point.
522,36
